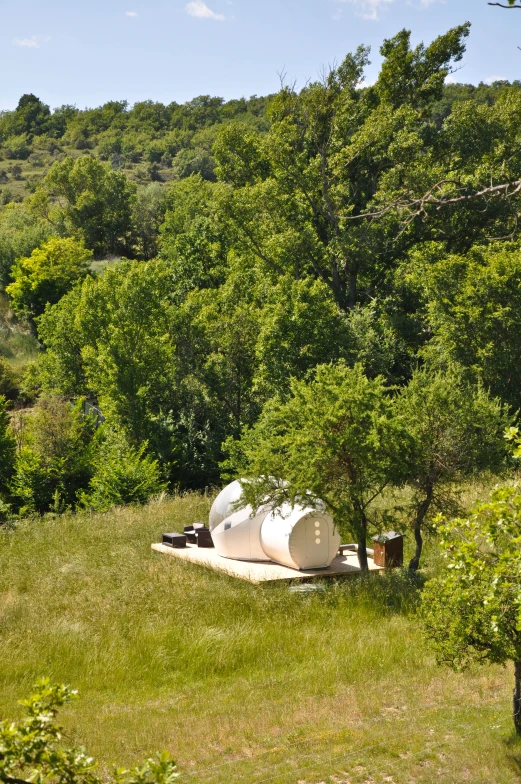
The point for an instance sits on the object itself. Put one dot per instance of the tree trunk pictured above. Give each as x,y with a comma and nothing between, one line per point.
352,291
362,540
338,288
517,697
423,508
362,555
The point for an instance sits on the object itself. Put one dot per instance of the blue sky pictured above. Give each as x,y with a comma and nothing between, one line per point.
85,53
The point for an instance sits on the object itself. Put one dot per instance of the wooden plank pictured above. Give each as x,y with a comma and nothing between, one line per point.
265,571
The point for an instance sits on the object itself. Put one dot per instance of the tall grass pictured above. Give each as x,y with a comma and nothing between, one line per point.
239,682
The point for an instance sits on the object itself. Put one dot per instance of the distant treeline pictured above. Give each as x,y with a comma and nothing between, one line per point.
169,141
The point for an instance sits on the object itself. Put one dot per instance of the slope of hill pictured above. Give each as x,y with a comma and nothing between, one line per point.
240,683
149,142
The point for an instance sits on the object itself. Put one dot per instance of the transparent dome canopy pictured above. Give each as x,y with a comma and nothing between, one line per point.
223,504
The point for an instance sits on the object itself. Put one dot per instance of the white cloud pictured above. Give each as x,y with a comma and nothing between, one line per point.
131,13
31,42
492,79
368,9
200,10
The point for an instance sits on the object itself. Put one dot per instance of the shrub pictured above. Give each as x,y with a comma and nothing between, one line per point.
18,147
47,274
30,750
124,474
472,610
54,463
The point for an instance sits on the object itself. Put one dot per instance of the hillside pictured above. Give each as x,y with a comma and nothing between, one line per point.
240,683
149,141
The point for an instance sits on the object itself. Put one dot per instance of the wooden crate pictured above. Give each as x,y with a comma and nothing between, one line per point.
388,550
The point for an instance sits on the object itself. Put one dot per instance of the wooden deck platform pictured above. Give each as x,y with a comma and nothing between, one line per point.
265,571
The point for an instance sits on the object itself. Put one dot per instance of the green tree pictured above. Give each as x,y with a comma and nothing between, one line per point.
43,278
111,337
124,474
32,749
472,610
32,115
55,459
95,201
300,328
216,334
474,315
457,430
319,194
338,439
21,231
147,215
194,236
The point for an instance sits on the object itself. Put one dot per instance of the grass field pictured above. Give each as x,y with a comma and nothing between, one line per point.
239,682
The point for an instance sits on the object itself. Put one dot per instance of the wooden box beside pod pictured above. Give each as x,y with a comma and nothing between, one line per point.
388,550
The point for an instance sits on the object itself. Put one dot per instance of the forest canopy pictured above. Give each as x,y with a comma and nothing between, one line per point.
193,275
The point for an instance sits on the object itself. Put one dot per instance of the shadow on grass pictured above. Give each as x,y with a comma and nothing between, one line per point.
396,592
513,752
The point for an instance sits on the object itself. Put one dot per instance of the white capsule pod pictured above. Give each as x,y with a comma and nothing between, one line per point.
300,537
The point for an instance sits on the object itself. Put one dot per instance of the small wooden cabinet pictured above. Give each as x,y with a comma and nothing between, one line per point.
388,550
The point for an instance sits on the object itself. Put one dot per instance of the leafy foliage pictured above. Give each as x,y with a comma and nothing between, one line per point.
112,336
47,274
338,439
123,474
472,611
31,750
54,460
95,201
335,152
474,307
21,231
457,430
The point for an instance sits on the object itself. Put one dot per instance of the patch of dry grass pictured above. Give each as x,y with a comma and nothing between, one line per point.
239,682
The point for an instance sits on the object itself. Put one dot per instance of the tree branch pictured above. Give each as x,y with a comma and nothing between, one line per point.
428,199
501,5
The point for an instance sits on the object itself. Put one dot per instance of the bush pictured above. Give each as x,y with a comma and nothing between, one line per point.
47,274
30,750
54,463
21,231
472,610
18,147
124,474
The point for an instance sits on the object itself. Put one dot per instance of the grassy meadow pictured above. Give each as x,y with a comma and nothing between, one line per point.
238,682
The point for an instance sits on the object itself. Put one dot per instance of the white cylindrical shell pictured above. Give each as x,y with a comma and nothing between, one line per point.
239,536
300,537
